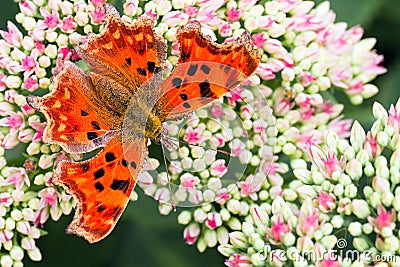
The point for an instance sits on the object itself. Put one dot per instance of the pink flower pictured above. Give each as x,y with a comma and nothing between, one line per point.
233,14
328,262
6,235
191,11
97,2
234,96
236,147
48,197
29,63
12,36
18,178
51,20
216,111
15,121
191,233
5,199
2,81
213,220
189,181
225,29
306,114
68,24
151,14
194,136
394,118
39,127
222,196
340,126
308,222
306,78
27,8
30,83
326,202
218,168
218,140
383,219
98,15
327,162
238,260
278,229
248,187
259,39
40,47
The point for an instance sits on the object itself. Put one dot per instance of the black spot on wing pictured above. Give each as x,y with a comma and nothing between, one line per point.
128,61
110,157
99,173
177,82
186,105
124,163
120,185
99,186
84,167
205,69
141,71
151,66
100,208
205,90
133,164
192,69
84,113
92,135
95,125
184,96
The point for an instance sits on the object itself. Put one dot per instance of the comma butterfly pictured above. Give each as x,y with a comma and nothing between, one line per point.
123,101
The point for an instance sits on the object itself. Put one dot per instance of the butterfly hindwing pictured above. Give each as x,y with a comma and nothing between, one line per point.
76,119
205,71
102,186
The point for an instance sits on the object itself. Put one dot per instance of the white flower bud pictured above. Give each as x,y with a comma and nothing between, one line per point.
44,61
163,7
29,23
75,38
35,254
16,215
17,253
210,238
51,51
6,261
81,18
13,82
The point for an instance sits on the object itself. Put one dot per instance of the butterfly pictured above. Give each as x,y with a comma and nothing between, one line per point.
123,101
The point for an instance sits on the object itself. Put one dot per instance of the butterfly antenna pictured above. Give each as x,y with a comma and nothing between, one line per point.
169,180
207,147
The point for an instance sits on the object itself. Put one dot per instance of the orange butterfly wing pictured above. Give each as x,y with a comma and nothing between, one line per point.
205,71
128,53
75,117
102,186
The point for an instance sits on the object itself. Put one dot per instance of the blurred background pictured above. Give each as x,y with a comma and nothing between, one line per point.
145,238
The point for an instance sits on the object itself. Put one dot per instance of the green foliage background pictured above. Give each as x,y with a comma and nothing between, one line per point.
145,238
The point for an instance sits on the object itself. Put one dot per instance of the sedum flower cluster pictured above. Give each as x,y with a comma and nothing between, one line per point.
242,165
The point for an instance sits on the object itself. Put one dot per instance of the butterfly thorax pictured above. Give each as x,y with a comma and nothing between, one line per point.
153,126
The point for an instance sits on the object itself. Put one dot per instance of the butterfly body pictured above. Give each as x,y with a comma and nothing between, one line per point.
123,101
